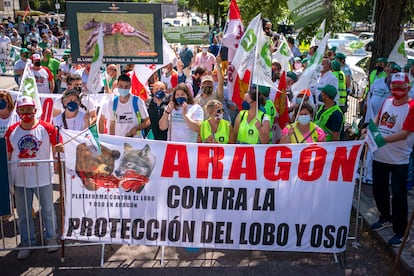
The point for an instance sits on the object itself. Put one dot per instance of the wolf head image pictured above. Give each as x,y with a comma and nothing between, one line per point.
141,161
91,167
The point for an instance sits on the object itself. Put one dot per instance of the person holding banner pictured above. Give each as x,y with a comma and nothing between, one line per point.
390,162
72,118
215,129
182,117
32,139
303,130
252,126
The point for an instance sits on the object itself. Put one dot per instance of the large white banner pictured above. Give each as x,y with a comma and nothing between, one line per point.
261,197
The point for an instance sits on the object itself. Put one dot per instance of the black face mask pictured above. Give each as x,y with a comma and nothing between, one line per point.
379,68
37,63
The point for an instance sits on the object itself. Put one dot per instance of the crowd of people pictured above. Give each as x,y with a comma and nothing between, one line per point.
189,102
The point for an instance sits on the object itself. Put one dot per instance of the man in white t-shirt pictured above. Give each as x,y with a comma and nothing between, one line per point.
127,113
32,139
44,78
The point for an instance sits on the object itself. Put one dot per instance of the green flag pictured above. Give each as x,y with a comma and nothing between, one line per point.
92,139
374,138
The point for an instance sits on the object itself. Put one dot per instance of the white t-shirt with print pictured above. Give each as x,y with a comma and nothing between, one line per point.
180,131
125,117
5,123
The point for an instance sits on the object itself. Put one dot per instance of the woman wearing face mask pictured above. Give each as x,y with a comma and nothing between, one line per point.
7,114
252,125
72,118
182,117
215,129
156,107
303,130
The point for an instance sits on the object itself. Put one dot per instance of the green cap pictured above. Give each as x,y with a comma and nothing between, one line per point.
333,49
66,52
381,60
297,59
340,56
305,60
329,90
24,50
336,65
410,61
292,75
395,66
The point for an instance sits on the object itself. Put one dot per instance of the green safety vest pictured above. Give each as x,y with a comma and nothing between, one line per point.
271,112
341,87
222,135
323,117
298,138
372,77
248,133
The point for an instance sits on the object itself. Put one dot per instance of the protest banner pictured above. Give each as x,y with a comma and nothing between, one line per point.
187,34
8,56
305,12
262,197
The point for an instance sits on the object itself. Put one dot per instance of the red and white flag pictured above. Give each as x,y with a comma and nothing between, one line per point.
231,39
142,72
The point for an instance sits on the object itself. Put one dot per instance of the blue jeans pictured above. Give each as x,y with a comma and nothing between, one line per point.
24,201
381,173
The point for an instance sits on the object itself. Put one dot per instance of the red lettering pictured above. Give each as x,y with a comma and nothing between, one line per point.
313,155
270,163
242,154
47,108
204,159
169,166
345,162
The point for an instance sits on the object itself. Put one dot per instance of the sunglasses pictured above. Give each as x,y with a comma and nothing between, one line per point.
218,111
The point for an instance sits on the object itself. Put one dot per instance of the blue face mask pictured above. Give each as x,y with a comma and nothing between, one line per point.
320,97
159,94
123,92
181,100
245,105
3,104
72,106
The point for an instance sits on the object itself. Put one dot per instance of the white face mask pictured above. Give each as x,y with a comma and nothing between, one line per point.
165,71
219,116
205,50
304,119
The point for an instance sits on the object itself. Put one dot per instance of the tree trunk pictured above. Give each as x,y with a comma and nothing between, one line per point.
389,19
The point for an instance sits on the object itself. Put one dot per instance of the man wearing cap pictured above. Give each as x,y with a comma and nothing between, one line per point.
63,71
206,92
390,162
20,65
204,58
330,53
347,71
32,139
340,75
329,116
44,77
377,73
326,77
50,62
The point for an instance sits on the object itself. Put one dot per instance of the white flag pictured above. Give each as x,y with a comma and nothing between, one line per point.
398,54
145,71
262,73
283,55
28,87
309,77
245,55
317,39
94,83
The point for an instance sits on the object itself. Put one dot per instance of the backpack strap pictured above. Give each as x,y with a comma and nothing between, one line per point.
115,105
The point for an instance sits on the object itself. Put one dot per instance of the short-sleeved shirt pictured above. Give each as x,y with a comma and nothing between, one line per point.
43,76
125,116
180,131
31,144
393,119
